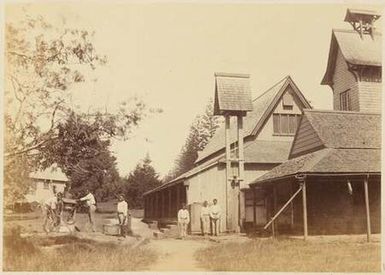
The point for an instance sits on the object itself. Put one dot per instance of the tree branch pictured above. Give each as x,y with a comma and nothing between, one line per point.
37,146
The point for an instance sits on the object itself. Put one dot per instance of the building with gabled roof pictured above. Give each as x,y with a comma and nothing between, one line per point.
354,66
45,184
334,167
335,153
268,132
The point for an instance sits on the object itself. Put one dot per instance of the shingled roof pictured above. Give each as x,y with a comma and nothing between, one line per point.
53,173
365,51
185,175
254,120
258,151
232,93
327,161
342,129
352,144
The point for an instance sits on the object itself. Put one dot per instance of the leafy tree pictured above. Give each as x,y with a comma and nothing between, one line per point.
201,131
142,179
43,64
84,156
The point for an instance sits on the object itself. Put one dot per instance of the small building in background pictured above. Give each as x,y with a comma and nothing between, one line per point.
45,184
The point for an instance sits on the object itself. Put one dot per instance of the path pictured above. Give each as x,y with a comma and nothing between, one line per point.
176,255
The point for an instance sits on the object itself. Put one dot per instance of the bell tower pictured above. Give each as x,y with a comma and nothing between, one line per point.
362,20
233,98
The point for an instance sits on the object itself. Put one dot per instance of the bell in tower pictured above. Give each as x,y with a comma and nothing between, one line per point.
362,20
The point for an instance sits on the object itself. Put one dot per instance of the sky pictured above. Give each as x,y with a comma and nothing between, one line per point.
167,54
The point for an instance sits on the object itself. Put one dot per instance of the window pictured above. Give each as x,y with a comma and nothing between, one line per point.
32,188
345,101
371,74
46,184
287,101
285,124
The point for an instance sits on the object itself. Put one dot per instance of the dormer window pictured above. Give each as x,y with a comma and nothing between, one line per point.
287,101
345,101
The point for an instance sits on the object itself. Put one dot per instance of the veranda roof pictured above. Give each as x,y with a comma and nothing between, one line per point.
327,161
259,151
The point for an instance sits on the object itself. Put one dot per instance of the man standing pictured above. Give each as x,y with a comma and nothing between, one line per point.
183,221
122,208
215,215
51,211
91,204
205,218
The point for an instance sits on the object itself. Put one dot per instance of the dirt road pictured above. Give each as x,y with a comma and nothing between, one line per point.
176,255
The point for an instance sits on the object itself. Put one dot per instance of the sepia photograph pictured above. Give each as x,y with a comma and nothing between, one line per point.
191,136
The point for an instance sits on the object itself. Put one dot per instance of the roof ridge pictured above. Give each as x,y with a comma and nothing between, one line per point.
276,141
357,148
237,75
376,31
340,112
269,89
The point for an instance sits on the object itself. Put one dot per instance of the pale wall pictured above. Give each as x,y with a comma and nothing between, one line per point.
370,96
267,132
40,194
210,184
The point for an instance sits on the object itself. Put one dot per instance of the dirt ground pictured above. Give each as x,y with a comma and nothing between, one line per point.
176,255
172,254
181,255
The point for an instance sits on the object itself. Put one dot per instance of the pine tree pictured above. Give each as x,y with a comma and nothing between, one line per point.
142,179
201,131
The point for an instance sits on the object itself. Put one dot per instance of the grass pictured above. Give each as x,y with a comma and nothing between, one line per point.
292,256
69,253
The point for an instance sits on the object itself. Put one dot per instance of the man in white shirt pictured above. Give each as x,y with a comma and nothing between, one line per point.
122,209
51,211
91,203
183,221
205,218
215,216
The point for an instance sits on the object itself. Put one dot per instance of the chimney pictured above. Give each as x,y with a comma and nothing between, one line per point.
362,20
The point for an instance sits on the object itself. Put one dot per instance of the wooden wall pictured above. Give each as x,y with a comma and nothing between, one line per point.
343,80
209,185
370,96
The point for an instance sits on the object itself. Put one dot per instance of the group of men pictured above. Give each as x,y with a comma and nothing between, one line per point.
53,208
210,219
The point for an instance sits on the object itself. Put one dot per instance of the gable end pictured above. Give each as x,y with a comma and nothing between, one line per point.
306,139
296,93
